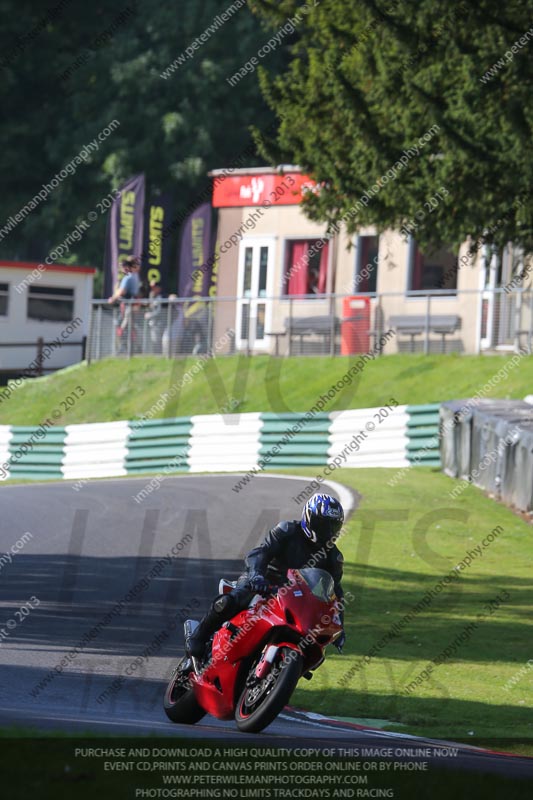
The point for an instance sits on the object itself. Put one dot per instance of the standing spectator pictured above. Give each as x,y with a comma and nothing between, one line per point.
144,290
128,289
154,317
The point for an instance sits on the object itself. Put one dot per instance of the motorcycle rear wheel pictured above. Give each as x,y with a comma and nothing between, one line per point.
180,704
262,701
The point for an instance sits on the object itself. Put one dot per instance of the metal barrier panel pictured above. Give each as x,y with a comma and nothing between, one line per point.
154,445
244,443
517,486
500,455
423,435
34,454
289,439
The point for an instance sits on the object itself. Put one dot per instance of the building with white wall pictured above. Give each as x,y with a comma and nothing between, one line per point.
43,303
279,264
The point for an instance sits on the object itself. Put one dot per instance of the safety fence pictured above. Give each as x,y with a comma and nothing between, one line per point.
367,437
436,321
490,443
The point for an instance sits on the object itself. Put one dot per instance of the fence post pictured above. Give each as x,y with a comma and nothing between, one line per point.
99,335
40,344
129,311
332,326
530,320
146,336
378,326
428,311
290,325
89,348
479,312
518,309
210,326
114,333
87,352
99,332
169,320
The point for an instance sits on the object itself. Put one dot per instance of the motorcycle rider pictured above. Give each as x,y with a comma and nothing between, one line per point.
289,545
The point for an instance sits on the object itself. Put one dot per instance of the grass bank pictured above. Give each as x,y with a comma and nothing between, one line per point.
400,545
119,389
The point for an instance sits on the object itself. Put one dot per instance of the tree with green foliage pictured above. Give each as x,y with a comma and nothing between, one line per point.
369,79
69,69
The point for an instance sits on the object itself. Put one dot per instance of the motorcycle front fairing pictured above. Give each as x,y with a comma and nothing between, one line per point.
216,687
313,614
301,617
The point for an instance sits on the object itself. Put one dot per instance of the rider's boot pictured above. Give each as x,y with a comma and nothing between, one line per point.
221,610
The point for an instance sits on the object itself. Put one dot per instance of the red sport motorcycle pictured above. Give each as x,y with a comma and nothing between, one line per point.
258,656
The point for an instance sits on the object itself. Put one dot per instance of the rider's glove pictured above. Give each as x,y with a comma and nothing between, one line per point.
340,641
259,584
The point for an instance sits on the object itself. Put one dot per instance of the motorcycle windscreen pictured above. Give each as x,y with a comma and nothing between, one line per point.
319,582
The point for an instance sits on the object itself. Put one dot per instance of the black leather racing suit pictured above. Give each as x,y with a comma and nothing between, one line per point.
285,547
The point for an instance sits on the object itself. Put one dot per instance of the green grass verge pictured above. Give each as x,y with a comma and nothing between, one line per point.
400,543
120,389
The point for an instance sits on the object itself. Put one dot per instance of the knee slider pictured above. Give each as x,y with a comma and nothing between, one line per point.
224,604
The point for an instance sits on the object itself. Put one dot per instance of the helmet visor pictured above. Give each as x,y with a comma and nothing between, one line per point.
325,528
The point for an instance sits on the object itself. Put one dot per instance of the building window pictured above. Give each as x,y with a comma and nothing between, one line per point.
50,303
306,267
366,264
4,299
436,269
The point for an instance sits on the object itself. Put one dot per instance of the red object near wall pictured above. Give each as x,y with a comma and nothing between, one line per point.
260,190
355,325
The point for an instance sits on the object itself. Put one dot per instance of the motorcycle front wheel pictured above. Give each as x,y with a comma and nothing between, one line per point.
180,704
263,699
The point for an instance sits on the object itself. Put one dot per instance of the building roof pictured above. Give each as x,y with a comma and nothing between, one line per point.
29,266
279,170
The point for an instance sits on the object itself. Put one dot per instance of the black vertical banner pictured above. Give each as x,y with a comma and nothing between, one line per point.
196,259
124,229
157,245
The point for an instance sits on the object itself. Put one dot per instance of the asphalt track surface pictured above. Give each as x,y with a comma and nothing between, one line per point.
89,549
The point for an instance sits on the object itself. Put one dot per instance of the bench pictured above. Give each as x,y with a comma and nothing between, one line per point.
323,326
301,327
415,325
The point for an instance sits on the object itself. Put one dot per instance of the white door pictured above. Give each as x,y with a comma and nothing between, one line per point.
498,308
253,305
489,280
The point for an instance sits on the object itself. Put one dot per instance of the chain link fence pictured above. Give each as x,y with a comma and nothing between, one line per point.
434,322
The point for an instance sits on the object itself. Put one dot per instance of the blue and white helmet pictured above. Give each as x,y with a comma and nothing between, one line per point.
322,518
